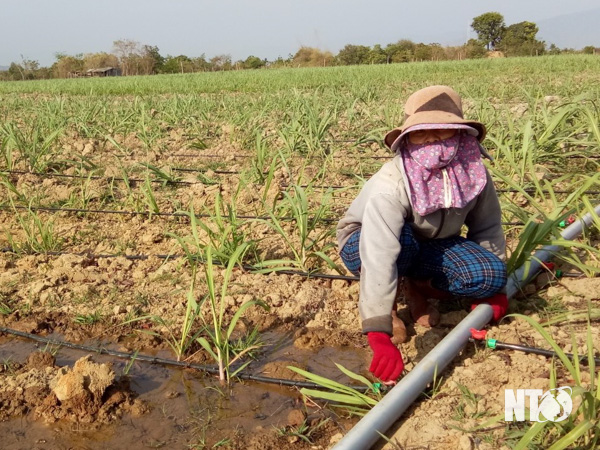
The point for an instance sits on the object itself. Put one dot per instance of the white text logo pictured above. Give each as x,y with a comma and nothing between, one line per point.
554,405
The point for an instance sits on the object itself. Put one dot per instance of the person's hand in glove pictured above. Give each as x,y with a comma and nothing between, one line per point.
387,364
498,302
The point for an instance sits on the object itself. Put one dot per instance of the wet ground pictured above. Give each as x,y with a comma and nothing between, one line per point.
182,408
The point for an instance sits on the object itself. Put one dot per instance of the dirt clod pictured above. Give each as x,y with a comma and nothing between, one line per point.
40,360
87,393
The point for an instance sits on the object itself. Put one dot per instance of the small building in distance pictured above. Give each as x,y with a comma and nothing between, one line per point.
104,72
100,72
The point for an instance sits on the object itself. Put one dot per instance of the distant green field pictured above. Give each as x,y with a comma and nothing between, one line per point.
354,102
502,77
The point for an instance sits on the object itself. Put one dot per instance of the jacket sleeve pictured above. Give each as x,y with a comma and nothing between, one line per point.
383,219
484,221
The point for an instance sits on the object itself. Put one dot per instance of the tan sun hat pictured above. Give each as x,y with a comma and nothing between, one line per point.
433,105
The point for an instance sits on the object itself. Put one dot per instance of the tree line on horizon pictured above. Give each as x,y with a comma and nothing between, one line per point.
134,58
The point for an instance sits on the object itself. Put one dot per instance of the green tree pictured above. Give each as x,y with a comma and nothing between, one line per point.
438,52
352,55
489,28
474,49
26,70
553,50
377,55
201,64
282,62
153,60
589,50
423,52
254,62
67,65
401,51
16,71
177,64
519,40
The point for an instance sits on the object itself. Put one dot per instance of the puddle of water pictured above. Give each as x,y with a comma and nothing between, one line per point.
188,408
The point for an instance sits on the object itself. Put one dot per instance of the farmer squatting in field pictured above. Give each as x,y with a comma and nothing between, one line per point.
406,222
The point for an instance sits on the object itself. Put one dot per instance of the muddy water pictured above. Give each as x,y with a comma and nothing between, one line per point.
188,409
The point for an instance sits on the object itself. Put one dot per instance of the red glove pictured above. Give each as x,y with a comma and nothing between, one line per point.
498,302
387,364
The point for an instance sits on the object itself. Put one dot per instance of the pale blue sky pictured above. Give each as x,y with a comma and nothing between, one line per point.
37,29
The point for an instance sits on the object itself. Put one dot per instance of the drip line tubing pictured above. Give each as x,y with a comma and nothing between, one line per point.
220,172
533,191
97,177
233,172
497,345
376,157
99,211
187,155
248,267
94,177
159,214
145,213
213,370
345,156
356,186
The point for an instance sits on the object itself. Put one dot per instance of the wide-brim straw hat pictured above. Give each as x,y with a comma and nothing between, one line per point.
432,105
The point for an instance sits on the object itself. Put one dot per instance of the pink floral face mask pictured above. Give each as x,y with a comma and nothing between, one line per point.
444,174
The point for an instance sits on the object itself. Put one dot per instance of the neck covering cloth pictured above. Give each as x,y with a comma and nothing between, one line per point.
444,174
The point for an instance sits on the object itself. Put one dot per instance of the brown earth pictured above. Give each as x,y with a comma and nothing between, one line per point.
117,298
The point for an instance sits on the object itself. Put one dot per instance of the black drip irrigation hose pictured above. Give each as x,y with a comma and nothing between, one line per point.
159,214
132,180
213,370
504,191
247,267
231,172
217,171
100,211
533,191
345,156
95,177
189,155
146,213
497,345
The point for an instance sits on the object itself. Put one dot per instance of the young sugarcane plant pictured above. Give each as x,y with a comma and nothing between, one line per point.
308,240
343,396
150,198
224,240
543,230
5,149
39,235
218,342
180,343
164,176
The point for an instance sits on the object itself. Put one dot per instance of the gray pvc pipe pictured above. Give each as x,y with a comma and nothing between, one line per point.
377,421
366,432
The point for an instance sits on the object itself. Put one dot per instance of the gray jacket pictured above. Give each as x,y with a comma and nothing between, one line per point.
381,209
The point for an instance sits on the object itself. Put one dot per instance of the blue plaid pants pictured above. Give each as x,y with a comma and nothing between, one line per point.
455,265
